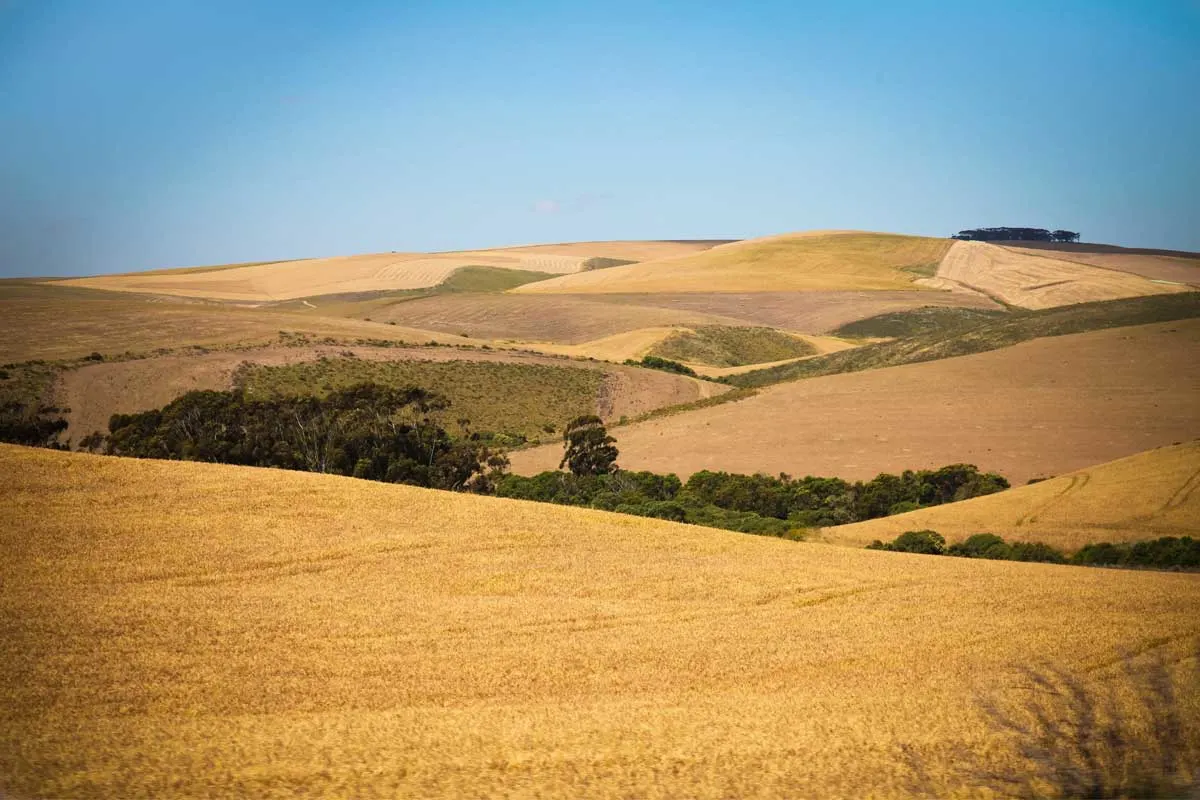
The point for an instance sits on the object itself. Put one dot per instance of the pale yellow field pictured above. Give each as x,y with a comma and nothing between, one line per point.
1024,279
792,262
1043,407
187,630
289,280
617,347
1145,496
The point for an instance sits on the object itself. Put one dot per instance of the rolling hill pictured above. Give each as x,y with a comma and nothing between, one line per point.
287,280
183,629
1043,407
812,261
1144,496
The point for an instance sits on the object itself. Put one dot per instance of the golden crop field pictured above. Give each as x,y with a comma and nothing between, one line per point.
1144,496
184,630
791,262
1022,278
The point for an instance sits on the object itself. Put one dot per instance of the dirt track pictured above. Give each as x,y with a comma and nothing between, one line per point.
96,392
1040,408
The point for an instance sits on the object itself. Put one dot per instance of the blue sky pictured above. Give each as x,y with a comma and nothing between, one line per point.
162,133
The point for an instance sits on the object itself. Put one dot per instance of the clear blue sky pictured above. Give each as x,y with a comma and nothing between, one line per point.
150,133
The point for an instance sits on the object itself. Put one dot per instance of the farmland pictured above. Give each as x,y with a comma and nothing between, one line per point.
1144,496
1042,407
177,629
94,392
843,260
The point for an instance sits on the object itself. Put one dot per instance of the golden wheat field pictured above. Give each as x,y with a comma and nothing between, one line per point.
192,630
1144,496
819,260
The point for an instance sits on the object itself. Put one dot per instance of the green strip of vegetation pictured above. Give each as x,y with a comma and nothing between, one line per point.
982,335
600,262
507,403
1168,552
663,364
728,346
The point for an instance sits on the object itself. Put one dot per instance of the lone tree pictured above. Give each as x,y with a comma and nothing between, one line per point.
588,449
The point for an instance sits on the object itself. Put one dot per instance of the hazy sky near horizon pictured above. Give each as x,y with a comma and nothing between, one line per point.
148,133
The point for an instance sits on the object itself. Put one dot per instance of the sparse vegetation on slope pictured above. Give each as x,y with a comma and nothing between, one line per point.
517,401
978,332
183,629
918,322
726,346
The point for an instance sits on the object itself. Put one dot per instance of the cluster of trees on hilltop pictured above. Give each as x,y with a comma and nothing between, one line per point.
1016,235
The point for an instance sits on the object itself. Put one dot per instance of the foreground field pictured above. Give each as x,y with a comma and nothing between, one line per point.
1142,497
816,260
180,629
1043,407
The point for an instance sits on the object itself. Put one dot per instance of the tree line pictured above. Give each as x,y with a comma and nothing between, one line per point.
1016,235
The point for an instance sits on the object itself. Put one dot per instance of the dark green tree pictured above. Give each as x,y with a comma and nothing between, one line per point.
588,449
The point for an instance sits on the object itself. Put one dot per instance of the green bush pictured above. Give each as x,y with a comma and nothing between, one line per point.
930,543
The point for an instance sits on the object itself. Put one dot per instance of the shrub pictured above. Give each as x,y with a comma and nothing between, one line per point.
981,545
924,542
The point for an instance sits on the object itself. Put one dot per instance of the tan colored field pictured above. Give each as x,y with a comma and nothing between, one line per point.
1145,496
804,312
288,280
1164,265
535,318
95,392
618,347
1023,279
1044,407
791,262
53,321
182,630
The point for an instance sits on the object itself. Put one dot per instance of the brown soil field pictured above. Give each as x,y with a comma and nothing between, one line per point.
1021,278
535,318
804,312
95,392
791,262
1164,265
51,321
1145,496
195,630
1043,407
576,319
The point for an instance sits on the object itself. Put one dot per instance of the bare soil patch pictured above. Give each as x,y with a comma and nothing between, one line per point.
1040,408
802,312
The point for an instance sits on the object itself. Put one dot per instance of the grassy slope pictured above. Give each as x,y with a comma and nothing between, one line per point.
860,261
1145,496
179,629
726,346
959,332
496,397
